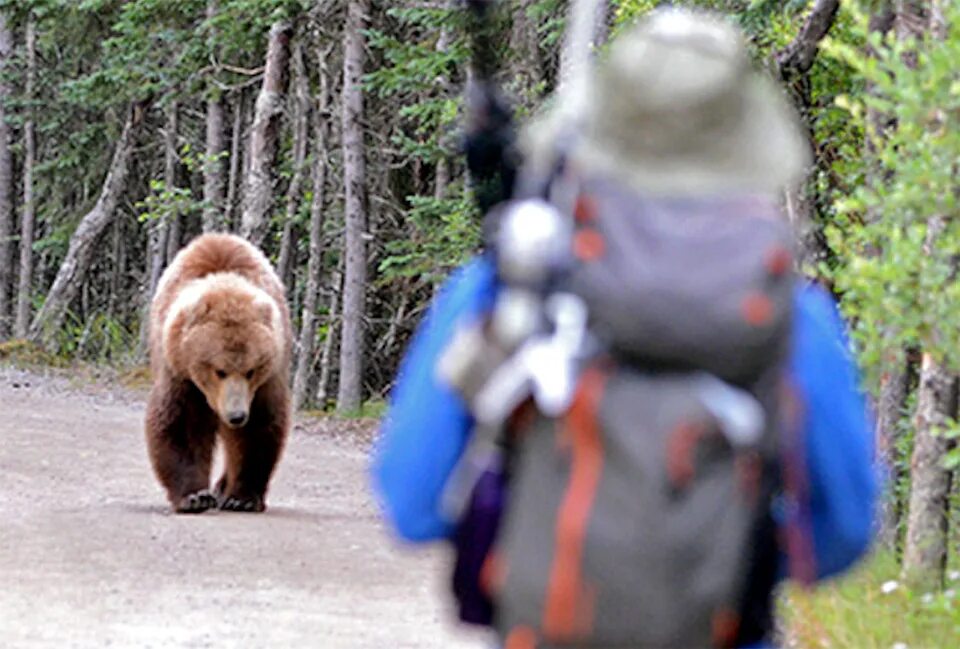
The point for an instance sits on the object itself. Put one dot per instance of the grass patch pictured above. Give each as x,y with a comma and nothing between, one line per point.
136,377
25,354
373,409
872,609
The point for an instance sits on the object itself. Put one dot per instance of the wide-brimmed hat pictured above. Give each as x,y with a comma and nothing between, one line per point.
675,107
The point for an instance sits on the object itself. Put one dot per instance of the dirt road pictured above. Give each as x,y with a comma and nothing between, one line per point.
90,555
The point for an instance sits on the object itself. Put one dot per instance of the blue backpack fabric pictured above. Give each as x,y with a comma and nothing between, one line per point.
837,435
427,425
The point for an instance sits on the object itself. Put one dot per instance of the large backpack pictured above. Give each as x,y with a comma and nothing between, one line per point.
640,516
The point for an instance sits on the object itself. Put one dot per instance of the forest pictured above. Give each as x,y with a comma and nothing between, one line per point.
329,132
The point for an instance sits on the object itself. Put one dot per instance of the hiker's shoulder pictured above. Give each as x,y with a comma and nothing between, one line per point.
468,288
816,313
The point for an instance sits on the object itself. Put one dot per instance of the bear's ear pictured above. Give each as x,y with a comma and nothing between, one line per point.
265,312
196,312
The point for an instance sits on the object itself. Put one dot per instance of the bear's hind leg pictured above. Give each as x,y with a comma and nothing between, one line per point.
180,438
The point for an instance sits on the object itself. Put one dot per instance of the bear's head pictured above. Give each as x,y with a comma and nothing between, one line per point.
225,335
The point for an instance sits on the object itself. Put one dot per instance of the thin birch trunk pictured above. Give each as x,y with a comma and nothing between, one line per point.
212,220
6,186
213,169
442,174
895,383
793,65
79,255
258,190
526,68
925,550
890,408
235,153
330,342
354,174
119,262
301,115
160,248
170,162
27,222
308,334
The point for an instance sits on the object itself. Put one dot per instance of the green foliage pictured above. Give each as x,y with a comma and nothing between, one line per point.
420,78
101,337
551,18
164,204
895,237
417,75
758,18
446,233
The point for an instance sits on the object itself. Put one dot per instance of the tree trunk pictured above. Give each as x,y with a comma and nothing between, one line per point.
895,383
75,264
258,192
234,173
301,116
170,162
213,168
119,268
27,222
798,56
308,332
793,65
213,159
526,63
894,387
354,180
925,551
330,342
6,186
912,18
442,174
163,239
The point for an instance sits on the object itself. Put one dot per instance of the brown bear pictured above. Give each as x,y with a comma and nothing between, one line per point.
220,340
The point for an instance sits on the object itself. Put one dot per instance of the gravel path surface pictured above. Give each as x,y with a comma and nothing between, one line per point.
90,555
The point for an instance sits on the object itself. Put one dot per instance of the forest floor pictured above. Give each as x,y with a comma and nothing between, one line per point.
91,556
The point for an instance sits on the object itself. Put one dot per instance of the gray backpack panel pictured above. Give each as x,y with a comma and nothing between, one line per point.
652,559
630,520
689,282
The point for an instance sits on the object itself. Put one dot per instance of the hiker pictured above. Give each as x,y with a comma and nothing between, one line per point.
647,322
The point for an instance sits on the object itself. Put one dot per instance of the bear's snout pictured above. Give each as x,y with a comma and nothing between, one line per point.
235,397
237,418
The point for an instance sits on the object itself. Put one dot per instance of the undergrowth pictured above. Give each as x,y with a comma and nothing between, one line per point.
25,355
870,608
22,353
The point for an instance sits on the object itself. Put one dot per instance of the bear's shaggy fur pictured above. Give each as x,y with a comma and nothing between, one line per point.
220,340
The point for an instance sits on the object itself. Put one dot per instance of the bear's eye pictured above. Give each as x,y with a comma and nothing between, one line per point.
221,374
249,375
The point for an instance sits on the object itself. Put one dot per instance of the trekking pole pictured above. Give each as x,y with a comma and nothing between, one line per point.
484,59
578,48
569,99
490,134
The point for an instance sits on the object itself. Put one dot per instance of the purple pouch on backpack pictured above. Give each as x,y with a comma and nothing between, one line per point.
473,540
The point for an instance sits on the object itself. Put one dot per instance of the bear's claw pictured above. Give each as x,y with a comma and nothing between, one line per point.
238,504
196,503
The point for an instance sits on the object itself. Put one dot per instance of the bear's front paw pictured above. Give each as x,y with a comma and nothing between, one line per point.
197,502
243,504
